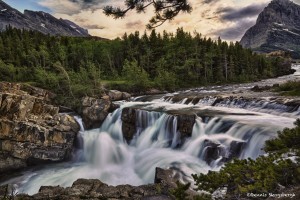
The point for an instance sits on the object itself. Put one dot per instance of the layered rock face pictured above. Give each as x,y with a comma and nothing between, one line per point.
277,28
38,21
31,129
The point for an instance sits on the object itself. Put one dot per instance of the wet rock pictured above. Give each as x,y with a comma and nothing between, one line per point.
185,125
126,96
276,85
235,149
128,123
64,109
8,162
212,151
113,107
157,197
115,95
31,130
257,88
218,100
94,111
154,91
165,176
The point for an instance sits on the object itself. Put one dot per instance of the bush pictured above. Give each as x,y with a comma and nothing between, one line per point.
291,88
136,76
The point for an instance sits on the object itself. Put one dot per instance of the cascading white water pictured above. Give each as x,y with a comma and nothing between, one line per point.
230,130
108,157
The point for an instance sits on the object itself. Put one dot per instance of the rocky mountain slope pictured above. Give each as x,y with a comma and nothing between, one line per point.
277,28
39,21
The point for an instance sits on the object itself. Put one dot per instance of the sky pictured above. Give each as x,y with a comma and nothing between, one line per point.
228,19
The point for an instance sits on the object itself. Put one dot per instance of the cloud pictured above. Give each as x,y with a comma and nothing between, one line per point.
235,31
233,14
136,24
76,6
209,1
93,26
212,18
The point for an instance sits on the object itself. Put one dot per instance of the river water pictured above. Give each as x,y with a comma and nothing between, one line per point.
234,127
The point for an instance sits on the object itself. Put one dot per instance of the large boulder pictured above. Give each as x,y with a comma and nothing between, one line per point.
31,130
116,95
94,111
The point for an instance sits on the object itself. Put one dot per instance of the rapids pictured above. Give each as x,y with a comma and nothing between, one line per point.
235,127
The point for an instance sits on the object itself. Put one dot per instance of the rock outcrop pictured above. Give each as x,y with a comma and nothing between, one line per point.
94,111
32,130
165,182
277,28
38,21
116,95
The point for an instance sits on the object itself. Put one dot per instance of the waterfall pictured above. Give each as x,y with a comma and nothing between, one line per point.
223,128
107,156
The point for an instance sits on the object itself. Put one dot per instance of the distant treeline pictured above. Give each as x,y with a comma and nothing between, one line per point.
75,67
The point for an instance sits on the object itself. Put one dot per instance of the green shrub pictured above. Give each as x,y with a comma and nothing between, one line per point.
290,88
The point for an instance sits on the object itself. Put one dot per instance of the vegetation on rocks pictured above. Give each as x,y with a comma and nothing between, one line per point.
290,88
267,174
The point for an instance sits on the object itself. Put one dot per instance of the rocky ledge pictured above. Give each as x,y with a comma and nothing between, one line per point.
94,110
162,189
32,131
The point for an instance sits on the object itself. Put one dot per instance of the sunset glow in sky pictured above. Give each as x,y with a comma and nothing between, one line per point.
228,19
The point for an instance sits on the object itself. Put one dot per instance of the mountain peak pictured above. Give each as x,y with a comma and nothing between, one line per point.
38,21
277,28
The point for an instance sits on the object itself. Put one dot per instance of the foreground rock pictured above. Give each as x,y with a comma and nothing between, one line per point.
32,131
165,183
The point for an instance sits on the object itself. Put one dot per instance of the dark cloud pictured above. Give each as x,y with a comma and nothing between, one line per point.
94,26
209,1
233,14
135,24
234,32
89,1
91,4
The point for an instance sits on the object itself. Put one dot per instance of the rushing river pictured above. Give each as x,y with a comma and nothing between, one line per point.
232,125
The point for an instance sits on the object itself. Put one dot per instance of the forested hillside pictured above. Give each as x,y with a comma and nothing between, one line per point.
74,67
